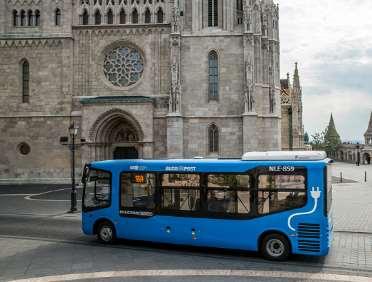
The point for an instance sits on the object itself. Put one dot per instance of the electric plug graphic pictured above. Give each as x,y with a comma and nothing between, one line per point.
315,193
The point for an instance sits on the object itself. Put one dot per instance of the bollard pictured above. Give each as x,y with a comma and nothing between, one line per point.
365,176
340,177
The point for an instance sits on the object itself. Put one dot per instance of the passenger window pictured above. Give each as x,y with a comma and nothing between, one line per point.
180,192
137,192
229,194
281,191
97,189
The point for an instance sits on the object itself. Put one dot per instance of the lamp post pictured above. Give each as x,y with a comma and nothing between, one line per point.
73,131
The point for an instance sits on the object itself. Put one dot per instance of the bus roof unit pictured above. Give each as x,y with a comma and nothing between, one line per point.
285,156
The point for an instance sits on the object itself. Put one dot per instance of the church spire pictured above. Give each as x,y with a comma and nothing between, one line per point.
331,132
296,78
369,129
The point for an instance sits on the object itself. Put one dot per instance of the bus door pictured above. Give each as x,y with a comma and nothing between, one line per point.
228,208
179,207
206,208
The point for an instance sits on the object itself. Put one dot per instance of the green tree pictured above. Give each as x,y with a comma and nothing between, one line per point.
306,138
317,141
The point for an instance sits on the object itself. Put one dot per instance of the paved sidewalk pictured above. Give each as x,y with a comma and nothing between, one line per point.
353,172
352,202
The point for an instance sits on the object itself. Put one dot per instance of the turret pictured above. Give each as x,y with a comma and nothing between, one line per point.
368,134
331,133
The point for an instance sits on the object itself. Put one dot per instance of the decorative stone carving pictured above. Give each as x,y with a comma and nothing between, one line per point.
248,87
123,66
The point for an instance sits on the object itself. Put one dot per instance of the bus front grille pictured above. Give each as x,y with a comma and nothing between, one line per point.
309,237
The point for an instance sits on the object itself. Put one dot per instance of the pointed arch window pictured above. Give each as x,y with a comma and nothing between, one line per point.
30,18
110,17
23,18
85,17
135,16
97,18
37,18
57,17
147,16
213,75
213,138
212,12
15,18
160,16
25,70
123,16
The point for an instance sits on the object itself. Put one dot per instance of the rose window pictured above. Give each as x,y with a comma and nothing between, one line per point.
123,66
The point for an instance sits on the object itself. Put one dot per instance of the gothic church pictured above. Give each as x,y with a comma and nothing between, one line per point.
140,79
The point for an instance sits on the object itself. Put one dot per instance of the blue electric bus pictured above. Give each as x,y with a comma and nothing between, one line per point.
277,203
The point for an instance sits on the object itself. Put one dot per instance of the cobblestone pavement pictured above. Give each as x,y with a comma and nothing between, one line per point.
352,202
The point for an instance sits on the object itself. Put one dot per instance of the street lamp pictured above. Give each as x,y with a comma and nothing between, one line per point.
73,131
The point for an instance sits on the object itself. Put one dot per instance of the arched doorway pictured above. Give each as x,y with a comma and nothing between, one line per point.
117,135
125,153
367,158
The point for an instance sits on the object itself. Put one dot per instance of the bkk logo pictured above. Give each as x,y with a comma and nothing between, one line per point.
315,194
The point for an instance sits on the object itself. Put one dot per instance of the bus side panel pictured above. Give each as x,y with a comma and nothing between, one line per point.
310,223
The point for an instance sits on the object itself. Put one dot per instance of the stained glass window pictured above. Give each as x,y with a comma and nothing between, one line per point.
25,81
213,138
213,75
123,66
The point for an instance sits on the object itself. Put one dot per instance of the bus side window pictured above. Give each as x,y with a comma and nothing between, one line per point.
281,191
180,192
228,194
137,191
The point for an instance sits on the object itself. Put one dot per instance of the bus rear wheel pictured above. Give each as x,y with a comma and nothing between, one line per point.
275,247
106,233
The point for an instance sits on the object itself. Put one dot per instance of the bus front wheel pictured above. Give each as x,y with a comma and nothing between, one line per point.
106,232
275,247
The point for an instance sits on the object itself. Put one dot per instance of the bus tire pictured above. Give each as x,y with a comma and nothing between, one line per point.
106,232
275,247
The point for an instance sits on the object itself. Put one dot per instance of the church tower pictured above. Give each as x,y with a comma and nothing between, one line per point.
332,138
368,134
331,132
292,110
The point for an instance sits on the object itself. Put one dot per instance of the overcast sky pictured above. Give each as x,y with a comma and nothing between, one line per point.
332,42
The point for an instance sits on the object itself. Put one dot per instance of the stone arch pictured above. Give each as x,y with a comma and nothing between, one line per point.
367,158
116,131
105,119
341,155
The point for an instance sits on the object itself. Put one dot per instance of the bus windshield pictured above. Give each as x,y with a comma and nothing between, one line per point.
97,189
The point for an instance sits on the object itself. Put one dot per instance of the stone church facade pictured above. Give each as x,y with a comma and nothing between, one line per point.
140,78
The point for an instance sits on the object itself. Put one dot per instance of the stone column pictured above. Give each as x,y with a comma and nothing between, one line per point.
197,15
250,132
174,117
174,136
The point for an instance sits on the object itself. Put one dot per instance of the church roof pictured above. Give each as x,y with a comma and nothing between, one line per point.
332,131
369,129
284,83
